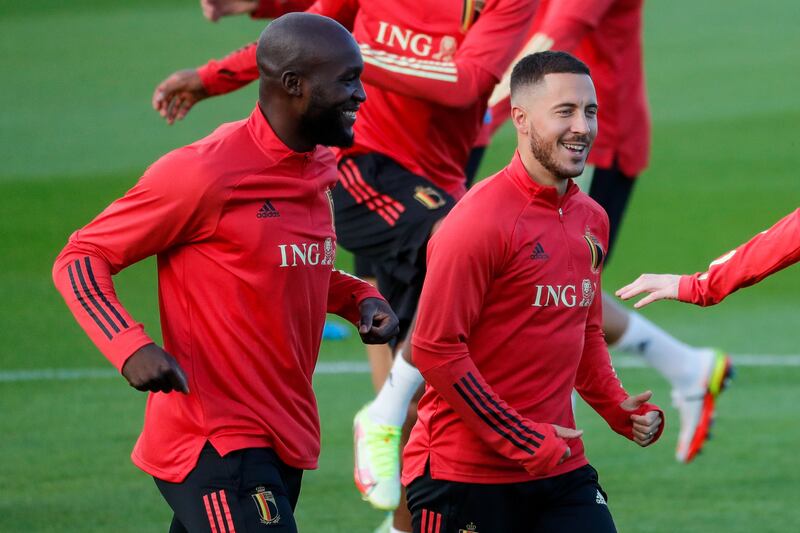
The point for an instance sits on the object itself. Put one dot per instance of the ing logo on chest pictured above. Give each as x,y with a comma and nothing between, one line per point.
307,254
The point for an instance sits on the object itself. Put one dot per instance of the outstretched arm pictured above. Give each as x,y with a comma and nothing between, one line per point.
766,253
175,96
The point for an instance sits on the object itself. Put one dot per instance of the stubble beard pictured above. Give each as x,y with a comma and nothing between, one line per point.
544,155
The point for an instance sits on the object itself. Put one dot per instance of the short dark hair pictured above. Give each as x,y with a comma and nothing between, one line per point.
532,68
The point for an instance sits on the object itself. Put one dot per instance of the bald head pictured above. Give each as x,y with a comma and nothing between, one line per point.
299,42
310,80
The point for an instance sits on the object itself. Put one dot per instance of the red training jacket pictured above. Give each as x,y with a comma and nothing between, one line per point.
242,227
429,71
764,254
510,321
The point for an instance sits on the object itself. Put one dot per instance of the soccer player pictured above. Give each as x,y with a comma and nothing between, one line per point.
607,35
766,253
241,223
503,343
429,72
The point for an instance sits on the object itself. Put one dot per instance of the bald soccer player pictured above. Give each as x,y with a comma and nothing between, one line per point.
241,224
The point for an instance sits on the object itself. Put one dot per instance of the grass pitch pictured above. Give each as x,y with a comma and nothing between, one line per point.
77,130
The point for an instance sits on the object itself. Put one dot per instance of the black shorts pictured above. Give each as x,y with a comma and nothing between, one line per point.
611,189
384,214
243,491
570,502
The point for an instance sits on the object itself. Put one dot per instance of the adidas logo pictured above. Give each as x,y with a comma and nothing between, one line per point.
267,211
599,499
538,252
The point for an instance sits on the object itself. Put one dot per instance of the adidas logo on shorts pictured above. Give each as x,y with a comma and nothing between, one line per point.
599,499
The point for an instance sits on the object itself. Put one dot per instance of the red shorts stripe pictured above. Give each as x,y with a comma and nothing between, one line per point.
218,512
423,526
392,207
210,515
227,510
389,201
438,527
362,196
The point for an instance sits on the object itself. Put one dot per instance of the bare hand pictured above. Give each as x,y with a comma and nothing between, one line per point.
214,10
645,426
566,434
378,322
152,369
660,287
175,96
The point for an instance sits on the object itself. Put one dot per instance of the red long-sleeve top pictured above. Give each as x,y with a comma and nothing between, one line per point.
607,36
242,228
429,71
766,253
509,323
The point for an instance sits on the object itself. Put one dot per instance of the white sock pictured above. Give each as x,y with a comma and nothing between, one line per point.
684,366
395,530
391,404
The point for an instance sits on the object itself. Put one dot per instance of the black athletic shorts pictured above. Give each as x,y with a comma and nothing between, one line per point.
611,189
243,491
384,214
571,502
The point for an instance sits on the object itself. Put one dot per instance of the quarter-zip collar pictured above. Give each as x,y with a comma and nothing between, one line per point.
269,143
548,195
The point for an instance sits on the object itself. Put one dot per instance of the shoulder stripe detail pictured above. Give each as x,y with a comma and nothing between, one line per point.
403,67
430,64
500,408
469,399
85,305
100,293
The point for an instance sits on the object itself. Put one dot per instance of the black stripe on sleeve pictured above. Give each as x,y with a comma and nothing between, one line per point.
83,303
489,423
511,417
88,293
100,293
496,416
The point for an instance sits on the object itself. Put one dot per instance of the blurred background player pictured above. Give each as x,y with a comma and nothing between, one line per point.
240,436
503,344
766,253
428,74
607,35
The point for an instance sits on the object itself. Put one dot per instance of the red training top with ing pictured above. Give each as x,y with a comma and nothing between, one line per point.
607,36
243,230
509,323
764,254
429,70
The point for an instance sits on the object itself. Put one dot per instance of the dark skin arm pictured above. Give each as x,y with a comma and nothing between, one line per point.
152,369
378,322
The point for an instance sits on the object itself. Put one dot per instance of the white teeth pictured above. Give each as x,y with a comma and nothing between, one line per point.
349,114
574,147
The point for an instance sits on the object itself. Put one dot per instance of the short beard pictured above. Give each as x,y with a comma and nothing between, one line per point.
324,126
545,157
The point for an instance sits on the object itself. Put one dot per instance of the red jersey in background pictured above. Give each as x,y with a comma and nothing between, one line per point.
430,67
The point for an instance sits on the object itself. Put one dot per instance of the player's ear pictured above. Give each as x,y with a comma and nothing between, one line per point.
292,83
519,116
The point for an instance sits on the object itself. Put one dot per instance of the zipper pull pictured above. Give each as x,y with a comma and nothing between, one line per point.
560,214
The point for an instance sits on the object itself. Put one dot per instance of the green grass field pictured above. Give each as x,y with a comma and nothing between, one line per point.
76,130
